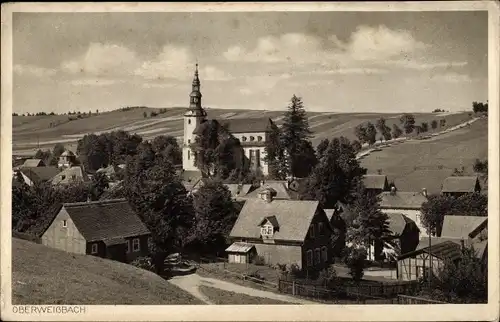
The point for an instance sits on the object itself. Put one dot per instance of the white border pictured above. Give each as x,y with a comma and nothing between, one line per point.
450,312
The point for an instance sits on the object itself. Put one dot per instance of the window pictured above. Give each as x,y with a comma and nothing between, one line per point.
65,223
309,258
189,121
320,228
189,155
257,157
252,158
259,138
189,141
63,177
95,249
135,244
324,254
311,231
317,256
252,138
266,230
73,177
243,138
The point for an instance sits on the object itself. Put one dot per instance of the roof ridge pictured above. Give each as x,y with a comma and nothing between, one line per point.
95,202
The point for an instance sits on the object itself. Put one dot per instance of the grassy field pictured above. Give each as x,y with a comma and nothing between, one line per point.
414,164
218,296
41,275
29,132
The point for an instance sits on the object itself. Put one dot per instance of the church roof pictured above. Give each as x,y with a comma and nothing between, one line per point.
249,125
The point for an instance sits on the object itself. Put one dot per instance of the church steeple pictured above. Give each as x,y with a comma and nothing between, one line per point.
195,96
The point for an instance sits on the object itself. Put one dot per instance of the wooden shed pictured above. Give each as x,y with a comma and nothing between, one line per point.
417,264
241,253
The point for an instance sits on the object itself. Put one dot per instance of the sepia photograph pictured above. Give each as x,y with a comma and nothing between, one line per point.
206,156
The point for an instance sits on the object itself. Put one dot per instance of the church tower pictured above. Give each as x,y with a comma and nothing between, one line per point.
193,117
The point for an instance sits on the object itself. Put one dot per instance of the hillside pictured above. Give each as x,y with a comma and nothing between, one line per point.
415,164
29,132
42,275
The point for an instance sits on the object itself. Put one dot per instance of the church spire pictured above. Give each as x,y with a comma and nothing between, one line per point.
195,96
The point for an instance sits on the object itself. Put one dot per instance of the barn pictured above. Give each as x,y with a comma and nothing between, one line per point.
241,253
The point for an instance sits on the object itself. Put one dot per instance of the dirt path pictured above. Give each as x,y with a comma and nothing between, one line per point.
191,283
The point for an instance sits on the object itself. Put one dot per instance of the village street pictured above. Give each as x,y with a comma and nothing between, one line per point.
191,283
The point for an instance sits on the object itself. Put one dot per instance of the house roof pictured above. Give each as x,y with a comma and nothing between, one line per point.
401,200
114,241
282,192
479,247
31,163
239,247
479,229
40,174
105,219
294,217
238,190
445,250
397,223
460,226
76,171
375,181
460,184
247,125
329,213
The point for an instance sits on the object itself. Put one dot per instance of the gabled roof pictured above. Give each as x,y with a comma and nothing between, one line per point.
397,223
445,250
282,192
479,247
460,184
239,247
77,171
375,181
31,163
238,189
105,220
293,216
271,219
40,174
401,200
329,213
461,226
247,125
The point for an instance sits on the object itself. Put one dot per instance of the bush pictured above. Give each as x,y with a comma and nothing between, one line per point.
355,261
259,260
328,277
259,277
144,263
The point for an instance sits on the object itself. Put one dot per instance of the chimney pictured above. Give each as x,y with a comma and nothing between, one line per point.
393,191
424,192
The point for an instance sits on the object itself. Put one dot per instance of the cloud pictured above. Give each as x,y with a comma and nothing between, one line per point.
212,73
31,70
411,64
451,78
103,60
172,62
356,71
93,82
158,85
365,44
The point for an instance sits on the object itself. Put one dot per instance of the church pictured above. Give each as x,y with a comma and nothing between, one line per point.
251,132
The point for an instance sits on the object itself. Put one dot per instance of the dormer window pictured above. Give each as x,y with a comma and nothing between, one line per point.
65,223
243,138
252,138
267,230
268,226
259,138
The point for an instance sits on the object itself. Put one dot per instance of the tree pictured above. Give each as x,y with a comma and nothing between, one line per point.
442,123
481,167
45,156
371,222
418,129
438,206
93,152
100,183
356,146
360,132
333,178
384,129
424,126
145,114
321,148
275,154
169,147
355,261
434,124
462,281
408,122
215,215
396,131
295,133
371,133
480,107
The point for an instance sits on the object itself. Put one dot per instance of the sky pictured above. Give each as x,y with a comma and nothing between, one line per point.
335,61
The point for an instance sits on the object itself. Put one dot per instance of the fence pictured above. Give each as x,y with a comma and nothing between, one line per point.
221,266
405,299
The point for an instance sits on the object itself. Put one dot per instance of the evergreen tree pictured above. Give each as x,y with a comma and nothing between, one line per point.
275,154
408,121
384,129
371,133
294,132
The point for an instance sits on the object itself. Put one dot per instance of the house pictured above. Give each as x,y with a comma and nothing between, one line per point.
283,192
73,174
418,263
32,163
238,190
66,159
108,229
459,186
251,132
406,203
339,228
376,183
463,226
283,232
36,175
111,172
